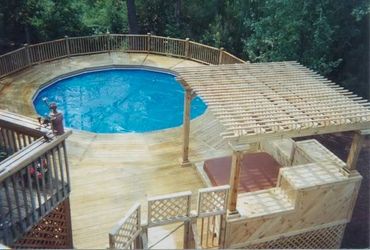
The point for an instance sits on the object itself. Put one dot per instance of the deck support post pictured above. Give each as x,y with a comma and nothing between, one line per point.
186,128
236,162
355,150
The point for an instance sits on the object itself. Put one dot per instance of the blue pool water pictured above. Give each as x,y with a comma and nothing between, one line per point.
119,101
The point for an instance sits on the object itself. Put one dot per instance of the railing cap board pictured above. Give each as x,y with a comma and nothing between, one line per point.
169,196
20,123
214,189
29,154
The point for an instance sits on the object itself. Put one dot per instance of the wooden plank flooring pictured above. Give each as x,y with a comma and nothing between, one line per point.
111,172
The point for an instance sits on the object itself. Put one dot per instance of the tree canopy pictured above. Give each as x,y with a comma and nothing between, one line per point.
329,36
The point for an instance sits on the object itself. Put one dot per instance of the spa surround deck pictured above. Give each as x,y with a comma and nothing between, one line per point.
110,172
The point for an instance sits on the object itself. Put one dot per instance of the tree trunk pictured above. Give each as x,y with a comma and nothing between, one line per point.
132,20
27,32
178,11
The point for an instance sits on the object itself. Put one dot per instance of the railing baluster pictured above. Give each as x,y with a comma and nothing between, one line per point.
32,198
38,192
56,175
43,184
10,207
61,171
67,165
49,170
17,203
24,196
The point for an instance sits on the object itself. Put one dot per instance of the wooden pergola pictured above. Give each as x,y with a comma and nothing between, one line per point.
262,101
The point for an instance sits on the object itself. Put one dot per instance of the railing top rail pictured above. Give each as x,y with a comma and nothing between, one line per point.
169,38
81,37
214,189
234,57
25,156
21,123
12,52
169,196
203,45
47,42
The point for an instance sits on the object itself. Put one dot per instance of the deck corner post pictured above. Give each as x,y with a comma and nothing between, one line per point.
149,36
236,161
186,127
66,40
187,41
28,56
221,51
355,150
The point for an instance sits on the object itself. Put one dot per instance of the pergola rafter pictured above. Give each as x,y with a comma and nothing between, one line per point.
260,101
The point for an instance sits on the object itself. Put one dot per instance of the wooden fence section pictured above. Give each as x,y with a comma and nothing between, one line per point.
203,228
13,61
73,46
34,178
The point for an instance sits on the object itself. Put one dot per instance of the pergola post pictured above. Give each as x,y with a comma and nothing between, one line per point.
355,149
186,128
236,161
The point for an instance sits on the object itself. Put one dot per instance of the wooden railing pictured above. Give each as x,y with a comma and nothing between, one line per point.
34,178
203,228
73,46
17,132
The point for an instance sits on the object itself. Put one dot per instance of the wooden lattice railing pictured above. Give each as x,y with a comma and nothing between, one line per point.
168,208
125,235
73,46
34,178
203,228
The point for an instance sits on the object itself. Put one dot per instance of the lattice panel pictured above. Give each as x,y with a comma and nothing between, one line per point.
169,209
53,231
212,201
324,238
127,229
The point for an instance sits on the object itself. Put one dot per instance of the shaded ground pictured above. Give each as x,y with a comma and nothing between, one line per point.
357,232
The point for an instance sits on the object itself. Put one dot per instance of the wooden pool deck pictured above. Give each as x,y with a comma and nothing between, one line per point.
109,172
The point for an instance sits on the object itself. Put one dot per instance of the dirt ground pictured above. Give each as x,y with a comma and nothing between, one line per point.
357,233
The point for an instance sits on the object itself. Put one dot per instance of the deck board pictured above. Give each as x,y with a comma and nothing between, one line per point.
111,172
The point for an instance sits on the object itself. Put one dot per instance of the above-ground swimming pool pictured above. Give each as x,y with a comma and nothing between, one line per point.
118,101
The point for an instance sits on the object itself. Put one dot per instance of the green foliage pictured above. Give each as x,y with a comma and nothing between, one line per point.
329,36
101,16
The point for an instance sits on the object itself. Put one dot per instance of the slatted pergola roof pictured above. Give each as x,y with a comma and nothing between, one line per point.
257,101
